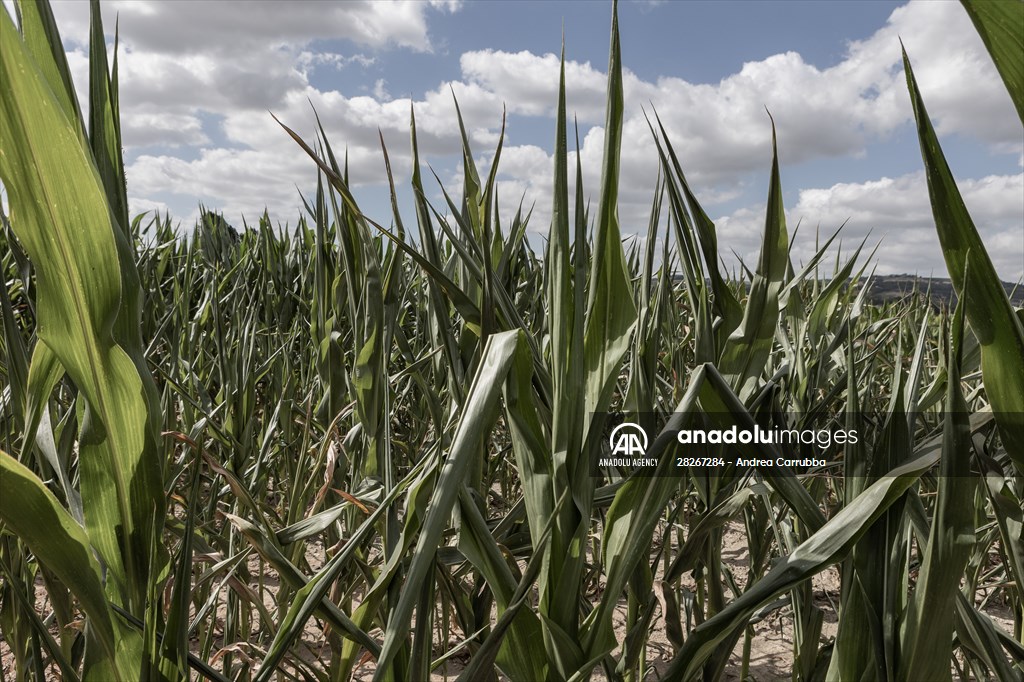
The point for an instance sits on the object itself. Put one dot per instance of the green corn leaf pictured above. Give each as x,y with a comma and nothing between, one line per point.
950,541
39,30
561,297
824,548
44,372
988,641
747,349
267,547
485,657
84,271
17,360
611,312
1001,26
310,598
477,415
726,305
637,507
35,515
518,656
105,121
22,598
991,317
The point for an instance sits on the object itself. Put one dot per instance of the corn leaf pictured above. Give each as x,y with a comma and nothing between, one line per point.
1001,26
60,214
35,515
991,317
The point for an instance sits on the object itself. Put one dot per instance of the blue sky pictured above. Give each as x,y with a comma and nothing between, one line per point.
199,78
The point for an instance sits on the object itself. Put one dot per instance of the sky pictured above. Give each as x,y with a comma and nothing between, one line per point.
199,81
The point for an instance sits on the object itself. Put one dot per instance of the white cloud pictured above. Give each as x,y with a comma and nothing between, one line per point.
450,5
227,25
171,129
528,83
138,205
338,61
720,128
897,212
721,131
181,77
233,56
957,78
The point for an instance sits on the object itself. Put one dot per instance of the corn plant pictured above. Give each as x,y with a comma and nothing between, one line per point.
365,447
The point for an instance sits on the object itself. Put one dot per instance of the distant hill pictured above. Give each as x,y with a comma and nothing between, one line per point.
939,290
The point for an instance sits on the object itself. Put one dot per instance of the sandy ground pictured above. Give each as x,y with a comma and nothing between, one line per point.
771,647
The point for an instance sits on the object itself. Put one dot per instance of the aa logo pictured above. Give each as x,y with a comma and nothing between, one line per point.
628,440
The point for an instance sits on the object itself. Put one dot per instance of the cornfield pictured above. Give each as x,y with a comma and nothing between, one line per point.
366,447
